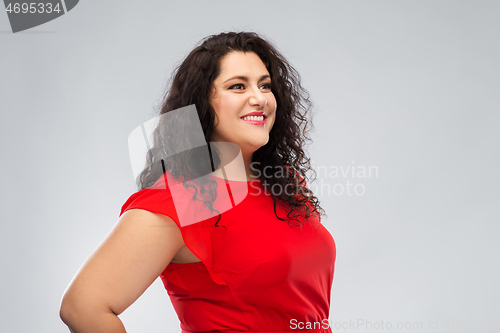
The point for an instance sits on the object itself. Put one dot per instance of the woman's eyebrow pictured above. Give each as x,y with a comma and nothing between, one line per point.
245,78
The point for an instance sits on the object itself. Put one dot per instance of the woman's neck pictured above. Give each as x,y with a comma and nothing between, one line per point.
235,164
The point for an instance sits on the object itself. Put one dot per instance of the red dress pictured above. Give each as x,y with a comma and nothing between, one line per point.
257,274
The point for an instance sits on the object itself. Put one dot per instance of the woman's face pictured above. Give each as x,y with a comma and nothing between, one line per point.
242,88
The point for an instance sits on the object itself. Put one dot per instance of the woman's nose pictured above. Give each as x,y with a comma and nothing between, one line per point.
258,99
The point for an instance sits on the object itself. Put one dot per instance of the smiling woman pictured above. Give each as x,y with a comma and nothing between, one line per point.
270,263
244,104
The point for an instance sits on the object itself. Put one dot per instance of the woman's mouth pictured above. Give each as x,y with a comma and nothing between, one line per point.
254,120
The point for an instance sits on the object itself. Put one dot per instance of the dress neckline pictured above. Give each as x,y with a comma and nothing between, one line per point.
237,181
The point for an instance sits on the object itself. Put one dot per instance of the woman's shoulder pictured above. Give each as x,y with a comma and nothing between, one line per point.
156,198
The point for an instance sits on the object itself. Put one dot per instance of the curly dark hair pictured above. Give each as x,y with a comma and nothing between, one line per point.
192,82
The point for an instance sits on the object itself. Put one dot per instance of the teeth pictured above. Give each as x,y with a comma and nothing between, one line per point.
258,118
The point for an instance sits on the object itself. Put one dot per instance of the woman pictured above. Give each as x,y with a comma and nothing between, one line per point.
264,264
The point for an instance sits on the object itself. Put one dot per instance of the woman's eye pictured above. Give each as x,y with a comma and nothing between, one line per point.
241,86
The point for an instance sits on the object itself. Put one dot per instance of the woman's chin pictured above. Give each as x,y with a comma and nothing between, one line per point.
254,145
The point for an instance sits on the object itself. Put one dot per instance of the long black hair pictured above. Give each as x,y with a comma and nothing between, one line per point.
283,157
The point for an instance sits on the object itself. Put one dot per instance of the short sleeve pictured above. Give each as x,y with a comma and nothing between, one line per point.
197,236
155,201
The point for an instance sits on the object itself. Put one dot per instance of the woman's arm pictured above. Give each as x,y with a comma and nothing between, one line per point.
134,254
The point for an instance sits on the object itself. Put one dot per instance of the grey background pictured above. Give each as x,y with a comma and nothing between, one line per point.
411,87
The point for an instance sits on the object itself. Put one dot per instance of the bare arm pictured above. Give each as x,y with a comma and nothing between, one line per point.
134,254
